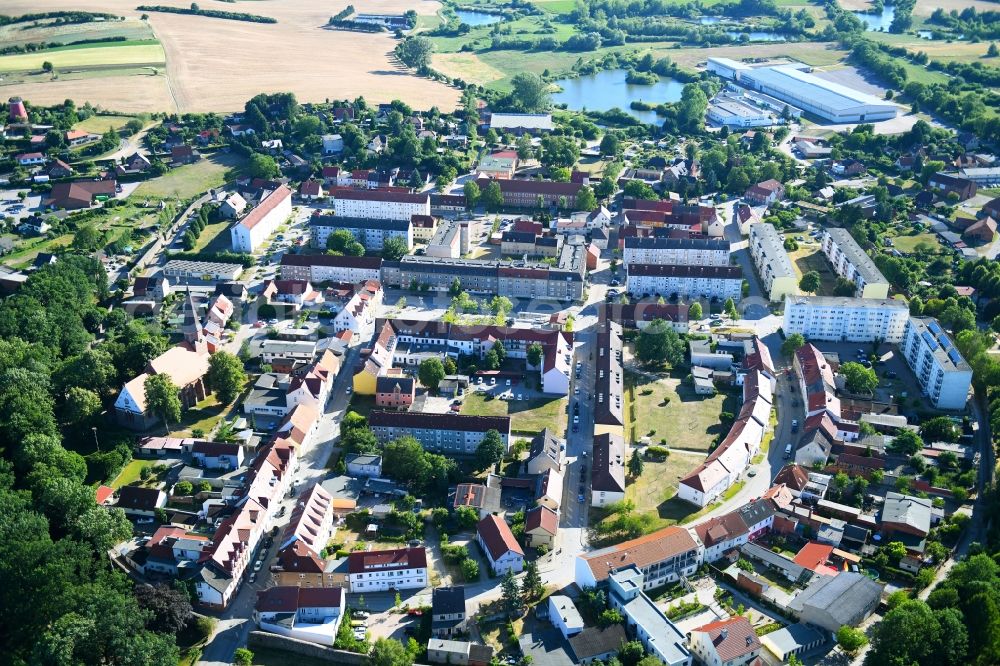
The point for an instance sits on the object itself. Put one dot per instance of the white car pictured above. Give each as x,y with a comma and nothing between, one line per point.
258,565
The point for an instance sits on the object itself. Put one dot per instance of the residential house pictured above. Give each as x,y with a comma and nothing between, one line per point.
607,475
306,614
946,184
80,194
458,653
59,169
484,499
564,615
448,615
232,206
499,545
722,534
547,452
644,620
731,642
311,190
183,155
663,557
217,455
140,501
541,524
597,643
387,570
906,515
395,391
364,465
765,193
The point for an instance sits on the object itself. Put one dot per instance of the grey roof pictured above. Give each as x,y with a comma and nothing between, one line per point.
843,597
595,641
774,560
863,264
341,222
567,610
907,510
756,512
772,247
363,459
447,600
940,345
663,633
661,243
849,302
795,637
820,92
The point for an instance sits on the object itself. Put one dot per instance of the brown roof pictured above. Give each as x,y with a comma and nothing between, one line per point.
439,421
732,638
497,536
722,528
288,599
268,204
387,560
137,497
533,186
642,552
793,476
541,517
80,193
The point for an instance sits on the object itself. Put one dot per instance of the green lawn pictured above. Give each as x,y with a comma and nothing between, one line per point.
214,237
669,409
139,52
658,483
908,244
527,416
190,180
203,416
130,473
809,257
99,124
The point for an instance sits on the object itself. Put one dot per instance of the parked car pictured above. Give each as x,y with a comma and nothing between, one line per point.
795,425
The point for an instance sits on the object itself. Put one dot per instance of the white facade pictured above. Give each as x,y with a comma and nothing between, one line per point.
730,112
943,374
564,616
852,263
678,251
720,282
775,269
845,319
370,232
249,234
374,204
327,268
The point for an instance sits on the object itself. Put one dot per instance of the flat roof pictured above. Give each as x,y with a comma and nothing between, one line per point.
939,343
847,302
820,92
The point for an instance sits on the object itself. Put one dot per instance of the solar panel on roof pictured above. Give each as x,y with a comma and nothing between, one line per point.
945,343
955,357
929,339
934,328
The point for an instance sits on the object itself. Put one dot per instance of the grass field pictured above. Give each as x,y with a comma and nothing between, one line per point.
467,66
146,52
526,416
908,244
809,257
214,237
130,473
687,421
556,6
47,32
191,179
99,124
658,484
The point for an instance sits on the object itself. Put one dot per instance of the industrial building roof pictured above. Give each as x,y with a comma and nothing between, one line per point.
823,93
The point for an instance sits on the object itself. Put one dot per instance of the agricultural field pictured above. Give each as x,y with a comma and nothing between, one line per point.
44,31
296,54
939,49
190,180
89,56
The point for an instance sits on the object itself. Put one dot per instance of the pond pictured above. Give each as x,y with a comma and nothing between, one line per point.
606,90
472,19
877,22
709,20
756,35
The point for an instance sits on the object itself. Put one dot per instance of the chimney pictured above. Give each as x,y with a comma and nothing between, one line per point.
724,634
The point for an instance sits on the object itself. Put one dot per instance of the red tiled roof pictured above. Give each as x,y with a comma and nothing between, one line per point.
387,560
270,202
813,556
732,638
103,493
497,536
541,517
642,552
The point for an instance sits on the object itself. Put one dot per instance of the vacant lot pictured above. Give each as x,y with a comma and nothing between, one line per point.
87,55
99,124
191,179
658,484
208,59
527,416
809,257
665,408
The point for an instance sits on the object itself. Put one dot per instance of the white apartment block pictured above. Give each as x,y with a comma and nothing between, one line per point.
381,204
249,234
678,251
943,374
846,319
318,268
685,282
775,269
370,232
383,570
851,262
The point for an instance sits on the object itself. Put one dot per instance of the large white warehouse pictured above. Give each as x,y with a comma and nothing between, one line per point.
826,99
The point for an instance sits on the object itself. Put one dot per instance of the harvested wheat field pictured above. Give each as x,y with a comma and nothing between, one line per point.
217,64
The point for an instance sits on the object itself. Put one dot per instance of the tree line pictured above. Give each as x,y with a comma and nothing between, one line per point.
195,10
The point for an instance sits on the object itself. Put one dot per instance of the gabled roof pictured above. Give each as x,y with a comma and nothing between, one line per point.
289,599
642,552
541,517
387,560
497,537
723,528
732,638
608,472
448,600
